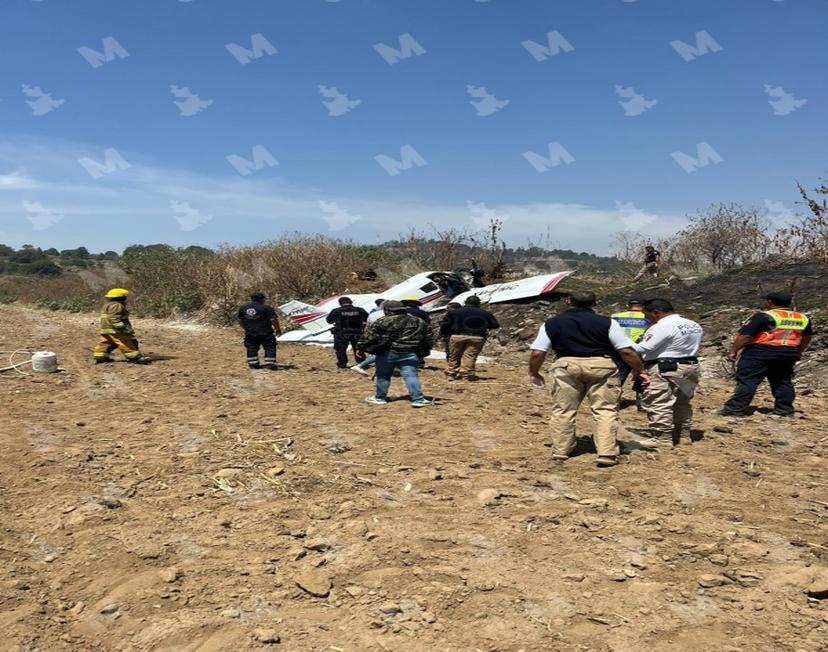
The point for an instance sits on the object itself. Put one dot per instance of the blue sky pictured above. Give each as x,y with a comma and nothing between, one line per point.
618,172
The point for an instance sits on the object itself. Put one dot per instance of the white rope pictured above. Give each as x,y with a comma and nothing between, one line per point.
16,366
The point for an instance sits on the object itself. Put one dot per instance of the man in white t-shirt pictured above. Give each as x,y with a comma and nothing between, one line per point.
669,348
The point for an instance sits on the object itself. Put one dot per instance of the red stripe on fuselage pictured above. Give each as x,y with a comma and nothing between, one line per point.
301,319
551,285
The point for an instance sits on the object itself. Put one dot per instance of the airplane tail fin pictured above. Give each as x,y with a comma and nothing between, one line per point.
305,315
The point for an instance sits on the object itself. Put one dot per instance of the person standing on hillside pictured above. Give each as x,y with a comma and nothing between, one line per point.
348,325
652,263
398,340
634,323
771,342
670,348
468,328
116,330
588,347
261,328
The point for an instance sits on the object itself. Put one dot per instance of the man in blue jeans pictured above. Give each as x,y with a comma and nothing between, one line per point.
397,339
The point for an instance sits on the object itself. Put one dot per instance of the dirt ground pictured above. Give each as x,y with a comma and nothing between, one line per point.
194,505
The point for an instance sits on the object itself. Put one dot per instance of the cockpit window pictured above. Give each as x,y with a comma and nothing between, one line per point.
429,287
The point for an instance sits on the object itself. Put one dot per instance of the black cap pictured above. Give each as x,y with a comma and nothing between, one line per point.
345,301
781,299
257,296
635,301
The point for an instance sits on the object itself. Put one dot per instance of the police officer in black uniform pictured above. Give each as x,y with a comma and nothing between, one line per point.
348,324
261,327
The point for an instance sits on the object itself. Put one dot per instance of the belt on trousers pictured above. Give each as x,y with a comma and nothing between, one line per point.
650,363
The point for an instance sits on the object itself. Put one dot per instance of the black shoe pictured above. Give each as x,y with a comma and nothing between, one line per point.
726,413
104,361
141,360
783,414
254,366
270,367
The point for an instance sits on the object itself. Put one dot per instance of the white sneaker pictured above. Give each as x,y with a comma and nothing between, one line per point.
423,402
375,401
359,370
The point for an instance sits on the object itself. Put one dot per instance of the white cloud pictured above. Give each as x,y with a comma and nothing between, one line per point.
16,181
133,205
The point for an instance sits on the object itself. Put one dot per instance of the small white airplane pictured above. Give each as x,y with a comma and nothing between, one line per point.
316,330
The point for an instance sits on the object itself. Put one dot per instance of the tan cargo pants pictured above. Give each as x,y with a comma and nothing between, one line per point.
667,400
573,380
462,355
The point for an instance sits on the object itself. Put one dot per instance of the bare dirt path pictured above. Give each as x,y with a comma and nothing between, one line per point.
193,505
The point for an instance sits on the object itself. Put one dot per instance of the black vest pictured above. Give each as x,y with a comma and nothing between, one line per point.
580,333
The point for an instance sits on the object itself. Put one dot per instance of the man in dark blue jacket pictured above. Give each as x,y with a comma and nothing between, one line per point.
468,328
261,327
348,325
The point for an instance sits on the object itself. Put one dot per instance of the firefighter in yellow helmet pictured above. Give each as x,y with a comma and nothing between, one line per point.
116,331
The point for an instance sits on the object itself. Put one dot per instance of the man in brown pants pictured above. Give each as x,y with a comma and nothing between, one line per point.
588,347
468,328
669,349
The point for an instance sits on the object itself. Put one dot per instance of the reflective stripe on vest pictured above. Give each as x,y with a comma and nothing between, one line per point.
633,323
789,326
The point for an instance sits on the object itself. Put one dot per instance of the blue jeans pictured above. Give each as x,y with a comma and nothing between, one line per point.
370,360
407,363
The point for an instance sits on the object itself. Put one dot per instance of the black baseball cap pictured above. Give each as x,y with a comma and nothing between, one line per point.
783,299
257,296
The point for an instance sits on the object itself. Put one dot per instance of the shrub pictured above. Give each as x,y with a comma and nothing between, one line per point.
42,268
71,304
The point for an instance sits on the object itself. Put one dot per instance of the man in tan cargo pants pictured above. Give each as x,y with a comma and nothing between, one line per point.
669,349
588,347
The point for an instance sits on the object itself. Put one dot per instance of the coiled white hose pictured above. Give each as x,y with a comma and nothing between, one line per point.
16,366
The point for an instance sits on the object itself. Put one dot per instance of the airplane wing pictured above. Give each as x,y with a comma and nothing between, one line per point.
323,336
526,288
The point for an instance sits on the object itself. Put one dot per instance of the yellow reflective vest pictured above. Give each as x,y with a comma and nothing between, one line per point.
633,323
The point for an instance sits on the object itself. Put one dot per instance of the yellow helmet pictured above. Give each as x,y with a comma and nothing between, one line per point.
116,293
410,298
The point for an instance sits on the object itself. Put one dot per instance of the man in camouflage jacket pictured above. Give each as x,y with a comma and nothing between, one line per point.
398,339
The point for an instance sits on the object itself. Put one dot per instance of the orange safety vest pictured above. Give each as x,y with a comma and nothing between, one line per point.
788,331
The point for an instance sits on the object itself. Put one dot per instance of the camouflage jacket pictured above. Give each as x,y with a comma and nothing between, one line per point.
115,319
402,333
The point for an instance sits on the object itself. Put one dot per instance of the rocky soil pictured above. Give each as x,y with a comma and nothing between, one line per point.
193,505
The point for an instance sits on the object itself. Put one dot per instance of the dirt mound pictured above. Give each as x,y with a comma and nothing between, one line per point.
193,505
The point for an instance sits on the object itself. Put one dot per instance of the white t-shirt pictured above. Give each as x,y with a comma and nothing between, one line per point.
375,314
672,336
618,338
